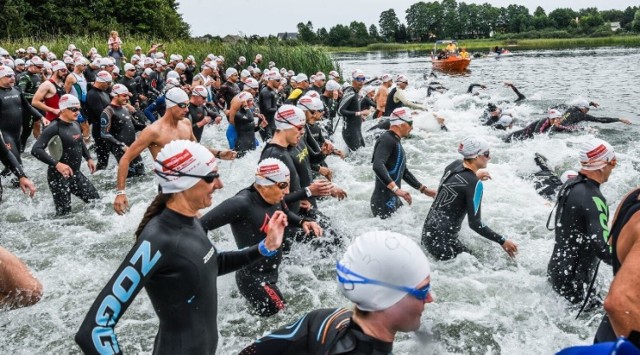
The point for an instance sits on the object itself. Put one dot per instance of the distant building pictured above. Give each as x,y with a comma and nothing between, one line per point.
231,39
287,35
614,26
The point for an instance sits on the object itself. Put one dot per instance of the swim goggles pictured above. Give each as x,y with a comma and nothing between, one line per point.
419,293
209,178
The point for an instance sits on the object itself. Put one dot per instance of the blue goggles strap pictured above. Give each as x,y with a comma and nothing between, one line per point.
420,293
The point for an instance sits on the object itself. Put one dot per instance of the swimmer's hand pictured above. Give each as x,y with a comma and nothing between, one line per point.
64,169
483,175
91,165
311,226
27,186
338,193
326,172
510,247
277,223
121,204
625,121
405,195
320,188
305,205
427,191
228,154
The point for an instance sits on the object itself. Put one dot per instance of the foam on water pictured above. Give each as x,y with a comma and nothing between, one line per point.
485,302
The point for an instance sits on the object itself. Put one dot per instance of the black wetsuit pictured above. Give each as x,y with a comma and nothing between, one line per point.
329,112
248,215
296,192
545,181
391,104
352,128
9,160
117,128
581,238
133,84
14,109
227,92
197,114
177,265
97,101
245,128
459,194
156,81
574,116
315,139
323,331
628,207
268,104
28,83
367,103
73,150
389,164
471,87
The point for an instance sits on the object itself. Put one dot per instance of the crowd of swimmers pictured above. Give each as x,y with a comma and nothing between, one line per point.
163,103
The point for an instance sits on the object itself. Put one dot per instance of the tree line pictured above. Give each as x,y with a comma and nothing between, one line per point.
427,21
45,18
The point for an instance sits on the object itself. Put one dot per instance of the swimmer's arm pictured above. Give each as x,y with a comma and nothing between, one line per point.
38,149
28,107
230,261
105,125
344,104
601,119
380,156
473,86
68,83
268,102
295,196
144,140
225,213
474,214
292,218
402,98
38,98
410,179
149,110
623,301
515,89
8,159
97,332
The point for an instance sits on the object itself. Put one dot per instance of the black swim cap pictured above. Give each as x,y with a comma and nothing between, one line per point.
492,107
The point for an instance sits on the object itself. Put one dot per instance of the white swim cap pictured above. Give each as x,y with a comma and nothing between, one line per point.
382,256
186,157
308,103
200,91
230,71
332,85
119,89
175,96
471,147
289,116
399,116
368,89
173,74
245,96
301,77
245,73
312,93
251,83
553,113
505,120
402,79
581,103
103,77
567,175
67,101
271,168
129,66
4,71
386,77
58,65
595,154
274,75
181,66
356,74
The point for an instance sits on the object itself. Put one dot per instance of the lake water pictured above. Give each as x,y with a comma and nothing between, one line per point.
485,302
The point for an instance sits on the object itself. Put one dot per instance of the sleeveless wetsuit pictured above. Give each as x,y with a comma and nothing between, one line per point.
628,207
73,150
459,194
117,128
79,89
177,265
352,127
320,332
581,238
248,215
391,104
53,100
389,164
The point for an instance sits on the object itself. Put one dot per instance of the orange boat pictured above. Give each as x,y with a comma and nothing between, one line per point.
451,61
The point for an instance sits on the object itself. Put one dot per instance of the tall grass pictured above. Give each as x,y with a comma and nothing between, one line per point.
301,58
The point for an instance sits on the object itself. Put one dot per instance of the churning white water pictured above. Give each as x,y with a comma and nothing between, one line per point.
485,303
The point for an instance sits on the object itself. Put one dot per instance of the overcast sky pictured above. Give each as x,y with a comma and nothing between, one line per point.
263,17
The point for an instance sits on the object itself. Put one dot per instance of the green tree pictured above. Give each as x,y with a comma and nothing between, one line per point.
424,20
635,24
450,24
359,34
402,35
540,20
490,17
389,24
373,32
339,35
322,35
305,33
561,18
627,18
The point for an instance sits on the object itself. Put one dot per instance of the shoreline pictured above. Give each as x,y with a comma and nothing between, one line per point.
483,45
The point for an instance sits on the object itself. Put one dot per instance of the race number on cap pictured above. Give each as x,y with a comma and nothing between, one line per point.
67,101
119,89
402,79
103,77
271,171
81,61
471,147
251,83
399,116
58,65
289,116
5,71
245,96
182,156
200,91
386,77
595,154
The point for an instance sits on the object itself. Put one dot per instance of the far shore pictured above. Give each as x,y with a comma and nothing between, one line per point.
484,45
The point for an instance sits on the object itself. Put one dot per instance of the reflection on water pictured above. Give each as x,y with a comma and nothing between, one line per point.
485,303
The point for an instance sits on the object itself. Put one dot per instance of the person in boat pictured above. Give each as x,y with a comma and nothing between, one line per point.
464,53
451,48
442,54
